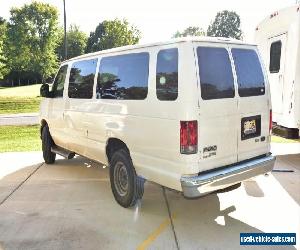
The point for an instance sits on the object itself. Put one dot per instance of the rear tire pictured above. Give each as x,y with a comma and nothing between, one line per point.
47,143
126,186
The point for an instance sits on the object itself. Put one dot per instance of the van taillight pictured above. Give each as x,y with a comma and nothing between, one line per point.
188,137
270,124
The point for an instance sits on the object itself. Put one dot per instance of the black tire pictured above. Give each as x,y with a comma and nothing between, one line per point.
47,143
126,186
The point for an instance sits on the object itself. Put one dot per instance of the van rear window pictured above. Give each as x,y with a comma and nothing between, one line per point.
249,72
215,72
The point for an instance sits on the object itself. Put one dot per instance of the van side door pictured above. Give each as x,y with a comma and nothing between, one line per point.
56,107
79,102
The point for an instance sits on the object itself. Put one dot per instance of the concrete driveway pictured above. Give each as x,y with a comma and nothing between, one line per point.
69,205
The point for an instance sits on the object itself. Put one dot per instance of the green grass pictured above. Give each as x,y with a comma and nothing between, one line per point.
15,105
20,138
277,139
23,91
24,99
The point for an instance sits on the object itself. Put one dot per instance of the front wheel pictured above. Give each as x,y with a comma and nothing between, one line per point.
47,143
126,186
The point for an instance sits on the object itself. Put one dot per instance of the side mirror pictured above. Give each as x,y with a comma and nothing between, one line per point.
44,91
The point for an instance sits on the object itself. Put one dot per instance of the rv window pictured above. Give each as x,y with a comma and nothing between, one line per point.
123,77
167,75
215,73
81,79
275,55
58,85
249,72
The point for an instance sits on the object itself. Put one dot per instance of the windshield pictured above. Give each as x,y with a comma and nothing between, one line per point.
250,76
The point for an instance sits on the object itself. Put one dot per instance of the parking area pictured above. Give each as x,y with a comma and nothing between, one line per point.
69,205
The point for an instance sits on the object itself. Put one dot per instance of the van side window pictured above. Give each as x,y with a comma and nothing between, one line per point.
275,55
81,79
123,77
249,73
167,75
58,85
215,72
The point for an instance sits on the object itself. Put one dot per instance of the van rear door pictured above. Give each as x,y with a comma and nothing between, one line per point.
253,102
218,106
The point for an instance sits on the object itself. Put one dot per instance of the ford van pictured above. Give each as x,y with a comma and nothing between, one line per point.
191,114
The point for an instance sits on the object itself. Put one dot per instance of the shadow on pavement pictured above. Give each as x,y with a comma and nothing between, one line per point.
201,224
290,181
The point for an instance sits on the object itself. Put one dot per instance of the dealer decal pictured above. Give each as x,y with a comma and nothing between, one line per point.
210,151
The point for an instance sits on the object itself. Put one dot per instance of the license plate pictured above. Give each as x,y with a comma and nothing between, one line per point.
249,127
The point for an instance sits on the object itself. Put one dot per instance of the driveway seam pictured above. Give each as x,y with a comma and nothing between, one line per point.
22,182
171,218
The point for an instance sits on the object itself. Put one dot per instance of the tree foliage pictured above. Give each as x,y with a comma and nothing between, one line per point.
76,43
3,68
190,31
111,34
226,24
32,38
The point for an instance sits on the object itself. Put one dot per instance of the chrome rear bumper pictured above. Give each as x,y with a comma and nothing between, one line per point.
195,186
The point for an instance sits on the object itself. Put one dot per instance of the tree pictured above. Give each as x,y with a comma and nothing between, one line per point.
190,31
226,24
32,37
3,68
76,42
111,34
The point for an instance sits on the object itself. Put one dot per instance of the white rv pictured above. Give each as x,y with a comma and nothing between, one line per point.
278,39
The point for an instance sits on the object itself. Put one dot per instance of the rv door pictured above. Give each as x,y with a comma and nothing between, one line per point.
277,47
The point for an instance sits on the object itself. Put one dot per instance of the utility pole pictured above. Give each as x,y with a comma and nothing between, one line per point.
65,32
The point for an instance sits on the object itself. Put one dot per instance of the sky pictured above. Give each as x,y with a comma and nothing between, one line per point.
158,20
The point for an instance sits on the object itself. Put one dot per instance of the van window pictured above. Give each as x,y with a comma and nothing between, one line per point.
81,79
275,55
249,72
59,82
123,77
167,75
215,72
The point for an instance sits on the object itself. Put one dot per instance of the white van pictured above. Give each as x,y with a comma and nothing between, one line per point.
191,114
278,39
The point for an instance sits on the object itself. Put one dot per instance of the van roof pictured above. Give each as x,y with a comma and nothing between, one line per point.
172,41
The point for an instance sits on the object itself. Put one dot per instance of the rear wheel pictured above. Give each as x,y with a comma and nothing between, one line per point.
47,143
126,186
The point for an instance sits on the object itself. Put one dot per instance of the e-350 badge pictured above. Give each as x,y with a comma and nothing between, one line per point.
209,151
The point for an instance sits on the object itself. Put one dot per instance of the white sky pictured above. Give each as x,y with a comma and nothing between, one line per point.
158,20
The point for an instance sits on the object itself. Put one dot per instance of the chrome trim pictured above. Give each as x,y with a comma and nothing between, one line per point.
196,186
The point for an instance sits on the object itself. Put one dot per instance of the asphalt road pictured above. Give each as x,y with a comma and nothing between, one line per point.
19,119
69,205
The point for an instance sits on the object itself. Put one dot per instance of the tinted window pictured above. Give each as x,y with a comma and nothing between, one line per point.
167,74
249,72
215,73
58,85
123,77
82,79
275,55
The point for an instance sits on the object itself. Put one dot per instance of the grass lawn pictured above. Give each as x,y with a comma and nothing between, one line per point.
24,99
20,138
